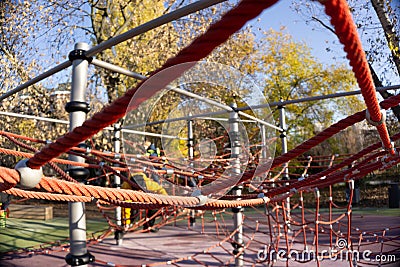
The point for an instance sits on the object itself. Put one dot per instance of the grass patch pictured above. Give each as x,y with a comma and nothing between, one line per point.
377,211
355,210
24,233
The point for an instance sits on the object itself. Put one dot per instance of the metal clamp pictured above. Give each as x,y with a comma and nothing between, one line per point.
388,149
79,54
264,198
375,123
74,260
73,106
202,198
29,177
80,174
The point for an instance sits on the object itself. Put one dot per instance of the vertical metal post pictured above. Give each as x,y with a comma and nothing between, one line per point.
117,183
264,154
263,142
190,145
77,108
237,190
283,136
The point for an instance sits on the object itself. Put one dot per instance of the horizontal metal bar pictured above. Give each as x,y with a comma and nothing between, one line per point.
225,107
153,134
316,98
190,117
117,69
152,24
225,119
271,104
38,78
23,116
138,76
176,14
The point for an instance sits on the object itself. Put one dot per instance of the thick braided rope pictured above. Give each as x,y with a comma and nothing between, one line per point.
8,178
61,187
63,190
54,185
218,204
310,143
346,30
48,196
30,148
361,172
56,160
217,34
319,138
106,194
329,132
322,136
312,179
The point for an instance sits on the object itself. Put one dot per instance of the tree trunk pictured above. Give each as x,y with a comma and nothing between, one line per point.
384,94
391,37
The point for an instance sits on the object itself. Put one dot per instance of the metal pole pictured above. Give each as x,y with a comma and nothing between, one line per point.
152,24
234,135
316,98
283,136
190,145
106,128
264,154
77,107
210,101
190,142
38,78
23,116
117,183
203,115
176,14
222,106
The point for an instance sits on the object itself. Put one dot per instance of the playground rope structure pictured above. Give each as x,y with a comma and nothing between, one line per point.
284,228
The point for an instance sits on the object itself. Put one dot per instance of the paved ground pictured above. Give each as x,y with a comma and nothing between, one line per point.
208,249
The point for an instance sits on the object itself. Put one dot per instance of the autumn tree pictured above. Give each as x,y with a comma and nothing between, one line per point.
379,29
143,54
14,69
291,72
287,67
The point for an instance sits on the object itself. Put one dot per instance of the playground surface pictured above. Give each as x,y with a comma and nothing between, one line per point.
190,247
219,239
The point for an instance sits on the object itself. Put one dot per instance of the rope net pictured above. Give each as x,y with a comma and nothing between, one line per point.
295,221
316,228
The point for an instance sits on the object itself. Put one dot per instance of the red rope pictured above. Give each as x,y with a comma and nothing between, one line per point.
346,30
315,177
8,178
30,148
319,138
217,34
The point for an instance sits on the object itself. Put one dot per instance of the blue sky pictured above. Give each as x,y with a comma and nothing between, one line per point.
313,34
317,38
